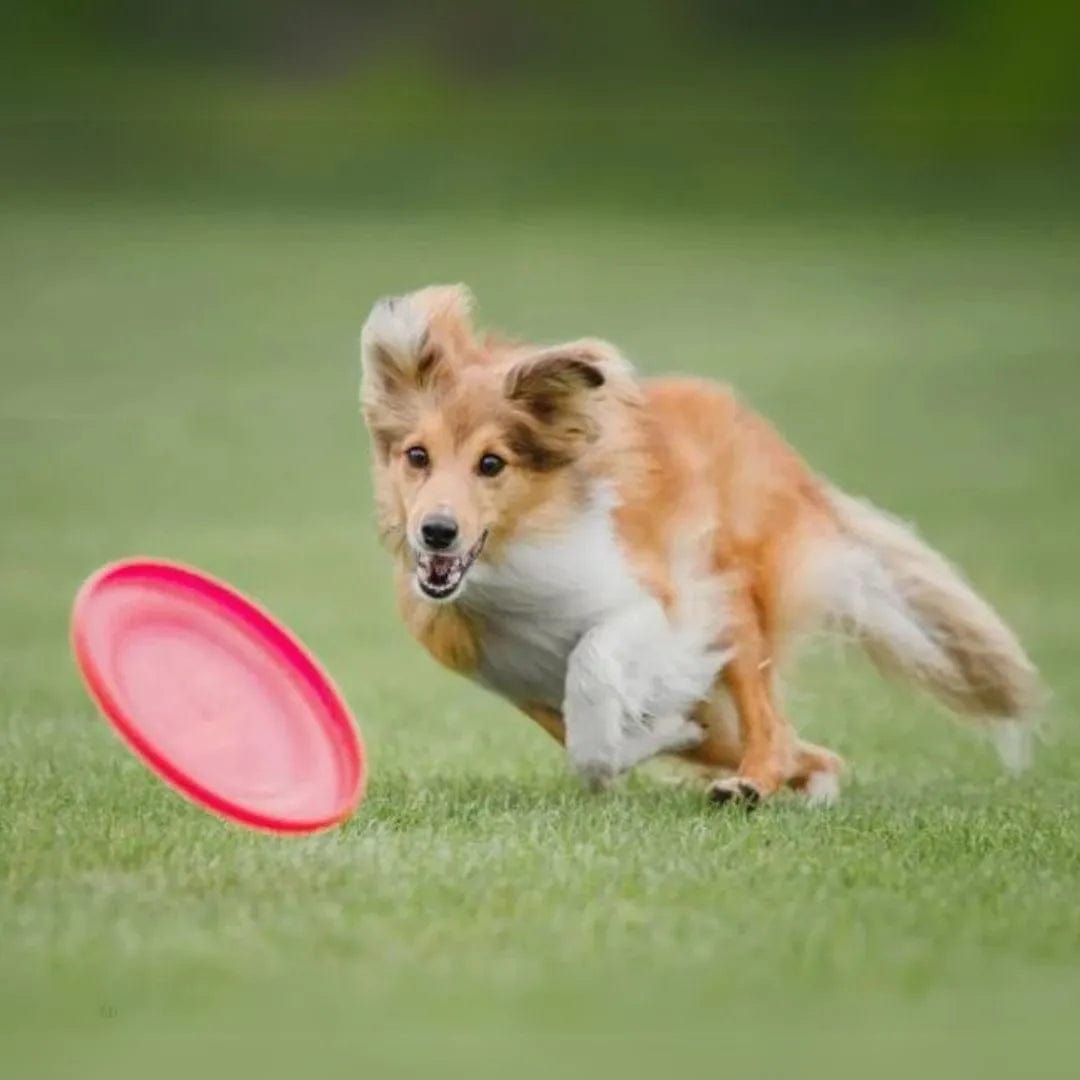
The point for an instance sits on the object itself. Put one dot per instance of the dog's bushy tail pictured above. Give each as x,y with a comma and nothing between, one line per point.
916,617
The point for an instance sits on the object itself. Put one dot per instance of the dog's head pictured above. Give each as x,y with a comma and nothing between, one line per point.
474,441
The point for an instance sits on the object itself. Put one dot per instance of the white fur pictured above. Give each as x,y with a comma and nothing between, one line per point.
848,590
537,602
916,616
396,325
1014,741
564,624
822,788
885,590
624,673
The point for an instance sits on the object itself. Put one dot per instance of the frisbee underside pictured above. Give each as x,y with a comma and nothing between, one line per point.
217,698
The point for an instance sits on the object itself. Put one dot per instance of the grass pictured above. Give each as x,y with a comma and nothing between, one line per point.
184,385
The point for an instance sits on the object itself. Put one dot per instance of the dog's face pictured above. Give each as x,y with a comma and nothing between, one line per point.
474,443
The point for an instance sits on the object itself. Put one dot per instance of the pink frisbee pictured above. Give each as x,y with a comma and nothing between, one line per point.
216,697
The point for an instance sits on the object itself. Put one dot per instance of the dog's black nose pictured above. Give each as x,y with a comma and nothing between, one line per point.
439,531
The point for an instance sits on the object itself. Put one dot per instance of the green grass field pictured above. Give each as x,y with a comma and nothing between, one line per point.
184,385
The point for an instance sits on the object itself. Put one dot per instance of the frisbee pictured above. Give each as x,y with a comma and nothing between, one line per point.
217,697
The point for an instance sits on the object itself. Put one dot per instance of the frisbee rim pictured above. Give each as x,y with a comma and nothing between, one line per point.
213,593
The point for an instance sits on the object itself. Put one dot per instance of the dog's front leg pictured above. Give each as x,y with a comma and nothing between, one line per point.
608,679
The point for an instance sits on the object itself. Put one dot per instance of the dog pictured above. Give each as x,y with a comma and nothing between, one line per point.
629,561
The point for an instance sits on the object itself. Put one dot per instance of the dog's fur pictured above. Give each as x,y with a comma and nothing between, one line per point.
633,576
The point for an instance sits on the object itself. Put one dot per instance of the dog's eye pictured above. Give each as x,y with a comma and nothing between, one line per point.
417,457
490,465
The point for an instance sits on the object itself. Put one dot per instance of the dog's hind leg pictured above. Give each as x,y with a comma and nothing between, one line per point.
768,743
814,771
770,754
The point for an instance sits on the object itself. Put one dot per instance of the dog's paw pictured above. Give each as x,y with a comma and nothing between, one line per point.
735,789
596,766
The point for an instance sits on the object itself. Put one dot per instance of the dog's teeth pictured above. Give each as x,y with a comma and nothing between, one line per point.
441,575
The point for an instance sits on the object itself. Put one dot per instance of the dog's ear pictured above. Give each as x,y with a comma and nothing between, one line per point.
554,378
552,390
408,346
406,338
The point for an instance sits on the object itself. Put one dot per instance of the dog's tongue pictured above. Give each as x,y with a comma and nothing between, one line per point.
441,565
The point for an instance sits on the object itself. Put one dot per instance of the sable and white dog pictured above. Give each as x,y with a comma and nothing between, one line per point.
627,560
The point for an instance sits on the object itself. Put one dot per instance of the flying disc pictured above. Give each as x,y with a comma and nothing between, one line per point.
217,697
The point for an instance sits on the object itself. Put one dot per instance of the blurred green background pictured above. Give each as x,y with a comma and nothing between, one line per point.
864,215
689,105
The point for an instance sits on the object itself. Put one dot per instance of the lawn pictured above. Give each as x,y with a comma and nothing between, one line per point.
183,383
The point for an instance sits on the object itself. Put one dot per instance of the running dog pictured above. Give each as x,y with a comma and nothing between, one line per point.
628,561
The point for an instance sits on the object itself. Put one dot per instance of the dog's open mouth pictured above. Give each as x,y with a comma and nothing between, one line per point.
440,576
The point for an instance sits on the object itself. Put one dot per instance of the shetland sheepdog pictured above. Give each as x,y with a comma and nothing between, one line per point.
628,561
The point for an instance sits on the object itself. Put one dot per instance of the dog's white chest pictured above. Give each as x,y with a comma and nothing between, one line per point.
534,606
